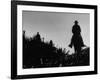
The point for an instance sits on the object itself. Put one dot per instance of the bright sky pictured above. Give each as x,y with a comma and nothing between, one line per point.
56,26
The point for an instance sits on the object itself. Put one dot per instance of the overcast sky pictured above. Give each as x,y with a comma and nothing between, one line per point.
56,26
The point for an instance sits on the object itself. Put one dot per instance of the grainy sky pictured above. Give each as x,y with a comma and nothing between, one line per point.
56,26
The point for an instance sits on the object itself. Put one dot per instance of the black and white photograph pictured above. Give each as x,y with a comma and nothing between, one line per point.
53,39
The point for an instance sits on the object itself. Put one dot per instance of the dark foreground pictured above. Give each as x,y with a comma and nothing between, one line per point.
40,54
62,61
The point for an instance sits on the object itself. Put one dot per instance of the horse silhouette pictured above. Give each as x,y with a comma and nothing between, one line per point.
76,39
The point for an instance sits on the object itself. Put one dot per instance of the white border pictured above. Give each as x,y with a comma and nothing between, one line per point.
21,71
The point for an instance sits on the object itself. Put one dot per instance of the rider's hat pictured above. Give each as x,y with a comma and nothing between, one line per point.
76,21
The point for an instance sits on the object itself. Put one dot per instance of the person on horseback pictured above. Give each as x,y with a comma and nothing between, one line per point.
76,39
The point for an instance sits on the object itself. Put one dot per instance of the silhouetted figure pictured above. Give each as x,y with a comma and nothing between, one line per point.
37,37
76,40
51,43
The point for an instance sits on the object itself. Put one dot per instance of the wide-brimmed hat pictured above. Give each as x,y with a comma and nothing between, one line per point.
76,21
